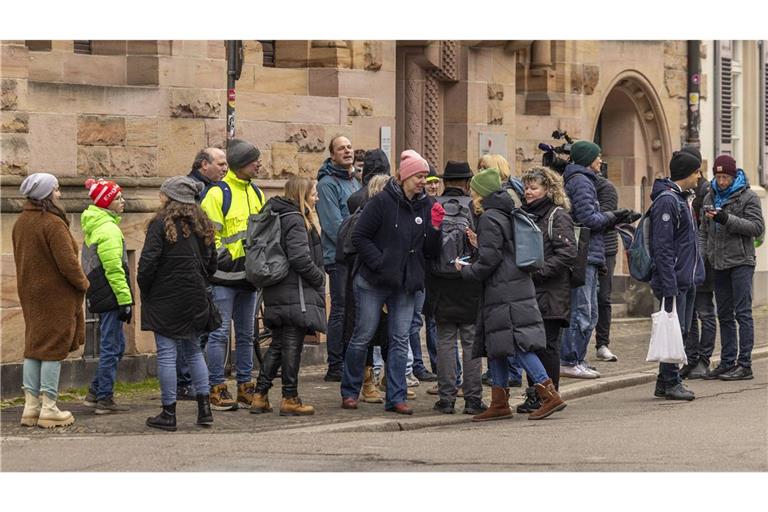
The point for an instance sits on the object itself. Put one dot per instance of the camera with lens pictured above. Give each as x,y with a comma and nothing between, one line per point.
551,159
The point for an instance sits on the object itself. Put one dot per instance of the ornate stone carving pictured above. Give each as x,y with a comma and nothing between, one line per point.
432,119
413,106
14,154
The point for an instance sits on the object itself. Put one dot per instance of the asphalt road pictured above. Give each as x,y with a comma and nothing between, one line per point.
724,429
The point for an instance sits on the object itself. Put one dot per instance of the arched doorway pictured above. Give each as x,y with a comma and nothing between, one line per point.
633,135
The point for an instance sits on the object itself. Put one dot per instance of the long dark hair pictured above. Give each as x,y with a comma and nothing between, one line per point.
52,205
191,218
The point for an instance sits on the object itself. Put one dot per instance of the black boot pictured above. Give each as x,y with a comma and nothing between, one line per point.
204,415
531,403
166,420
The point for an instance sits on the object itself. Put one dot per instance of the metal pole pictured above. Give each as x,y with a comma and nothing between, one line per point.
231,77
694,90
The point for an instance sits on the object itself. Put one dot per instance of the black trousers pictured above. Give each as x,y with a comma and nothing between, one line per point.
550,356
604,289
284,351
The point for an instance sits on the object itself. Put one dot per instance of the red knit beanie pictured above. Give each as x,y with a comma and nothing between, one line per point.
102,192
725,164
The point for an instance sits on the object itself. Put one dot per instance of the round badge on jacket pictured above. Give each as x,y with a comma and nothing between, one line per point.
418,220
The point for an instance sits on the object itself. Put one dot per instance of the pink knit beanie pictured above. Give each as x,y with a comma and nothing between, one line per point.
411,163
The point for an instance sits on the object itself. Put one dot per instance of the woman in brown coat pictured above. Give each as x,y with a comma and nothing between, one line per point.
51,286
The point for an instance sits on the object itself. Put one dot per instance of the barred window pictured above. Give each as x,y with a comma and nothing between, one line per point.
268,47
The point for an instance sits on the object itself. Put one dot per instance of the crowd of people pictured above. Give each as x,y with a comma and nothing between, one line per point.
399,252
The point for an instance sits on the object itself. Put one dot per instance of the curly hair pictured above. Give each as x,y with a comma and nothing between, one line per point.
190,216
551,181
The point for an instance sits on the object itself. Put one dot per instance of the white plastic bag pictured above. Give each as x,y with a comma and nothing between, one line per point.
666,337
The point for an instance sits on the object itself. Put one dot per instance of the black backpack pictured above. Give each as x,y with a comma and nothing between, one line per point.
453,238
345,249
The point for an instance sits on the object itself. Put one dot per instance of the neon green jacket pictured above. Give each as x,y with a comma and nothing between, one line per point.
231,231
105,260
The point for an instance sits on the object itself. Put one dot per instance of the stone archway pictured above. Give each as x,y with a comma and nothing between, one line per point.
633,134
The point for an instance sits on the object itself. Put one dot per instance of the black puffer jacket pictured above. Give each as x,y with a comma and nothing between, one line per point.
174,289
608,198
452,300
553,289
299,299
508,319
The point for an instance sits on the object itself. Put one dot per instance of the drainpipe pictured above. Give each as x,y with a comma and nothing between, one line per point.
694,96
234,67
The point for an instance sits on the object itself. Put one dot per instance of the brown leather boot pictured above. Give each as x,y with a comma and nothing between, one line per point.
245,393
294,407
370,393
550,401
499,408
260,403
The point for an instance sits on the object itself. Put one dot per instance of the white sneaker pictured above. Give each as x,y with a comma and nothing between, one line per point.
411,380
589,370
605,354
577,372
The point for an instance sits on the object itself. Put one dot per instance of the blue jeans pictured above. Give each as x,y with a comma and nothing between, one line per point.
431,331
369,300
499,368
337,283
111,350
238,305
514,370
583,320
669,373
415,337
733,294
42,376
700,343
167,352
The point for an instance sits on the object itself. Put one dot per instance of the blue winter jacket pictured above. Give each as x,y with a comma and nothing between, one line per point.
334,186
674,247
585,208
393,237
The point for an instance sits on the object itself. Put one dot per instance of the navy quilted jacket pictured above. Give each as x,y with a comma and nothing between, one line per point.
585,208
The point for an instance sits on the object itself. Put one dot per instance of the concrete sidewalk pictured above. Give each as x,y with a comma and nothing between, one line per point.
629,343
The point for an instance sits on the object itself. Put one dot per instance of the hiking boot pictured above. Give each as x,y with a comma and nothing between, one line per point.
686,369
245,393
531,403
474,406
51,416
499,408
31,412
605,354
738,373
370,393
294,407
166,420
426,376
411,381
444,407
184,393
679,392
90,399
550,401
204,414
108,406
719,370
260,403
700,371
221,398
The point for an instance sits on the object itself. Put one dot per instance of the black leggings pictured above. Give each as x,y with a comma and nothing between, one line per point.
550,355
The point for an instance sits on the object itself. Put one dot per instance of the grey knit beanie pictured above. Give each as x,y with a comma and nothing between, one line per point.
182,189
241,153
38,186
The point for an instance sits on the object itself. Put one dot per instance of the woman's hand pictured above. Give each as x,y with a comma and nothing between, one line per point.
472,236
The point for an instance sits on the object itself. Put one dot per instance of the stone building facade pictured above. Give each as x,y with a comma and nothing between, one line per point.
138,111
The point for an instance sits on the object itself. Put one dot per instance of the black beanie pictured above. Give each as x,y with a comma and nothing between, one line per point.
682,165
693,150
241,153
375,162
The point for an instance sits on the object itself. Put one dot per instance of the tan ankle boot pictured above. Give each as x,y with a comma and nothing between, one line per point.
370,393
499,408
550,401
245,393
260,403
51,416
32,407
294,407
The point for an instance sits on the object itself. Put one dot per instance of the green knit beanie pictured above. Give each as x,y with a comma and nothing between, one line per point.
486,182
584,152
